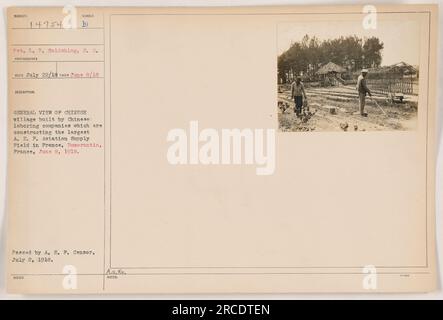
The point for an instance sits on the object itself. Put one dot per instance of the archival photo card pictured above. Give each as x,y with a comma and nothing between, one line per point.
222,150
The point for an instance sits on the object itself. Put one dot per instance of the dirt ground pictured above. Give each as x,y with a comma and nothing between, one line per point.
336,112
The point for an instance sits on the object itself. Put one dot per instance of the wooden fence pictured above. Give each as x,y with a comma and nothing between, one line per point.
405,85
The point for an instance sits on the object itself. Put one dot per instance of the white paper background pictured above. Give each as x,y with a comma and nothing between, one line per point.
3,114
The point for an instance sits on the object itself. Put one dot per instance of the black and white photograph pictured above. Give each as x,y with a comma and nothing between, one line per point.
338,76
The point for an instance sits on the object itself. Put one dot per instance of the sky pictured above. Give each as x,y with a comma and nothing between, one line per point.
401,38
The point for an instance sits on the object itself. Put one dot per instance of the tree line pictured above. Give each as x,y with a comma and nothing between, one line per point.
308,55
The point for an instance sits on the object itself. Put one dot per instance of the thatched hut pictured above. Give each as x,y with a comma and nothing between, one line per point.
331,68
331,73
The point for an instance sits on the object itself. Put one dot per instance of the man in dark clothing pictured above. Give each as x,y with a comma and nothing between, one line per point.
298,93
363,89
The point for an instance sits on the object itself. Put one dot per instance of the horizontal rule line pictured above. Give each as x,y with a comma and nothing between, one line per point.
212,273
66,29
57,44
259,13
67,78
31,61
280,267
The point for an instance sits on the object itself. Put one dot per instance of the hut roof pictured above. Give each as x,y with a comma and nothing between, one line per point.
397,68
404,67
331,67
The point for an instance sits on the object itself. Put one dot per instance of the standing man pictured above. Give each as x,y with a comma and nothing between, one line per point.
362,89
298,93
